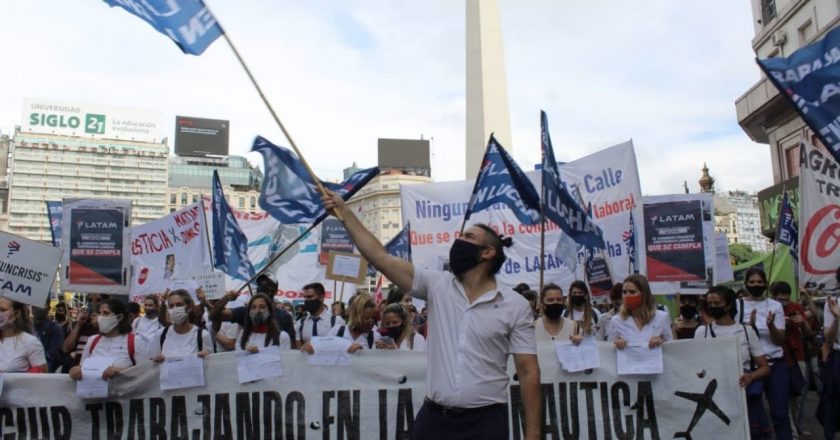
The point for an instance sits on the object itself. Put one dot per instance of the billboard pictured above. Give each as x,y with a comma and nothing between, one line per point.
200,137
90,120
770,202
404,154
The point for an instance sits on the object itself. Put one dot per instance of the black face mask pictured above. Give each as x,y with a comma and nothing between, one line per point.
553,311
151,314
756,291
463,256
394,332
716,312
60,316
578,300
688,311
311,305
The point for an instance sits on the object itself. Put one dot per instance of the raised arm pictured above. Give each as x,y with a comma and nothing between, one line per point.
399,271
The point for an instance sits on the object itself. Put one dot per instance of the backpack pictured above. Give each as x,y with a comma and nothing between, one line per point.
130,346
369,336
199,340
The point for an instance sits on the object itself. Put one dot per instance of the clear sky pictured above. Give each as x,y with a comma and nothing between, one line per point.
343,73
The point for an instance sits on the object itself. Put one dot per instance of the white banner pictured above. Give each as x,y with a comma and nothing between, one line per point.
377,397
819,211
27,269
723,262
90,120
172,247
609,179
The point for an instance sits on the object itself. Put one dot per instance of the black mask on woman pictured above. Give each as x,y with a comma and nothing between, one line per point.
395,332
716,312
688,311
578,300
463,256
553,311
756,291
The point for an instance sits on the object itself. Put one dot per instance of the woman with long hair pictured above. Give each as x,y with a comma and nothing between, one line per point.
183,336
361,324
20,350
552,325
114,341
579,309
397,327
639,321
260,329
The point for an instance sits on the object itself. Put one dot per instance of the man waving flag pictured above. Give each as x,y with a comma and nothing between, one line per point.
230,247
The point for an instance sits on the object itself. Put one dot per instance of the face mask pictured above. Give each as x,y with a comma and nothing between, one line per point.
553,311
394,332
151,314
755,291
633,302
716,312
107,323
177,315
578,300
688,312
5,320
463,256
259,318
60,316
311,305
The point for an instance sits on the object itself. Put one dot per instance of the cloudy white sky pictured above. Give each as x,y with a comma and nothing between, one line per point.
343,73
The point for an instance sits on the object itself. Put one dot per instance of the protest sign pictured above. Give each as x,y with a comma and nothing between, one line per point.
334,237
608,179
819,209
378,395
96,240
172,247
344,267
27,269
213,284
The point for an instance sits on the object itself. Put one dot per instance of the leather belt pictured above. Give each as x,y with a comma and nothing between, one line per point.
453,411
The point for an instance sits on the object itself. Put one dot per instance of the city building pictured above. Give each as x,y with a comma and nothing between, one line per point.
737,216
66,150
191,177
5,142
378,204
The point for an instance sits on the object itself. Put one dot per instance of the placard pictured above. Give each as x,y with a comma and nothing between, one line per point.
213,284
27,269
349,268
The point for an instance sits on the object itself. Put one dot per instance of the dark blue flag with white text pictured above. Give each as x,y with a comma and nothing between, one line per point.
230,246
560,206
810,79
501,181
289,193
187,22
54,213
399,246
787,231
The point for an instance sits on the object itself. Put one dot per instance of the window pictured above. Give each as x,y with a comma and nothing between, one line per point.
253,202
806,31
242,203
768,11
173,199
195,198
183,198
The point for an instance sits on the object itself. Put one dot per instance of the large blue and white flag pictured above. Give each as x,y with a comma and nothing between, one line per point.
559,205
399,246
230,247
187,22
809,79
787,231
288,192
501,181
54,212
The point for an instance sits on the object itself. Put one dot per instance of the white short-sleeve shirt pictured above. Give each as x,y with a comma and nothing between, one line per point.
626,328
469,344
115,348
145,327
748,343
323,324
597,322
565,333
829,321
764,307
177,344
229,330
20,353
361,340
258,340
419,343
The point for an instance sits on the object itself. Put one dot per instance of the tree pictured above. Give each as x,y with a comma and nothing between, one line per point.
740,253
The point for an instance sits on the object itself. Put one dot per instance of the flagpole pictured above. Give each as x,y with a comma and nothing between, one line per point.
542,228
206,229
279,254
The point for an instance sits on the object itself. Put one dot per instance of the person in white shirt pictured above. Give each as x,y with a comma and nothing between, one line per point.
114,342
720,306
397,327
579,309
225,335
183,337
361,324
767,317
830,397
472,326
20,350
259,329
150,323
552,326
318,321
639,322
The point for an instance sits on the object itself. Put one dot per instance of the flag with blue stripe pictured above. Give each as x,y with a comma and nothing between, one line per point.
289,193
187,22
55,211
501,181
787,231
230,246
399,246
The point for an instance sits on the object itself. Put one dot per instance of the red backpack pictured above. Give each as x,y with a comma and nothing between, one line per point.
130,346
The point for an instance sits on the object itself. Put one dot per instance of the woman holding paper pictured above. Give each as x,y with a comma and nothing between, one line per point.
639,321
20,351
397,330
115,342
183,337
552,326
361,328
579,309
721,308
259,329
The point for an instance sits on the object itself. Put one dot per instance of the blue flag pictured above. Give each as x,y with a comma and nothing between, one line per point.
560,207
288,192
630,243
54,213
809,78
501,181
230,247
399,246
787,231
187,22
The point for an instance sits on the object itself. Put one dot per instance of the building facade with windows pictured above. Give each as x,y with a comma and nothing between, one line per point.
737,216
192,177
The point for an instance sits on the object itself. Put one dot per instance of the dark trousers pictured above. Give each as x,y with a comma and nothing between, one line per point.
777,387
486,424
828,410
759,425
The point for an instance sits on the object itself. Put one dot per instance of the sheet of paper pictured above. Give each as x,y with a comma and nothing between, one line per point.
92,385
181,372
261,365
639,359
330,351
581,357
346,265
